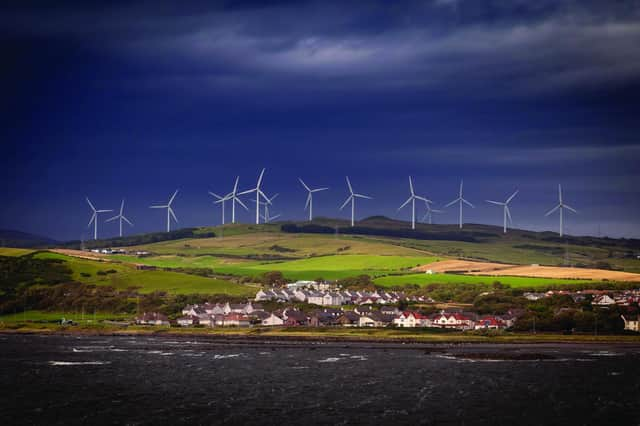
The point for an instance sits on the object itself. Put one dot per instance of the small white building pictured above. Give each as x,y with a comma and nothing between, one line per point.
631,323
272,320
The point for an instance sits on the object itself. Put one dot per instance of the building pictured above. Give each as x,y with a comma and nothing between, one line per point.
631,322
272,320
410,319
152,318
188,321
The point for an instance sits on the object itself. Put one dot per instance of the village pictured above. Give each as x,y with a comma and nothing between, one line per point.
327,305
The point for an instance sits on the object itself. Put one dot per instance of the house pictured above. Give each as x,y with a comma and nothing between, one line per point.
603,300
295,318
363,309
489,322
409,319
452,320
272,320
152,318
374,319
631,322
348,319
390,310
235,319
188,321
321,319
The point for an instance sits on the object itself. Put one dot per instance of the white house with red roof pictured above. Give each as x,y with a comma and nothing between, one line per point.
409,319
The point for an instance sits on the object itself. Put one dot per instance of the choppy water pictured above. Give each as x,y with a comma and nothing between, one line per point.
145,380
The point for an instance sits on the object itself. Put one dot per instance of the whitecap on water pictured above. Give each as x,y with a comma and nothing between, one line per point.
359,357
67,363
217,356
330,359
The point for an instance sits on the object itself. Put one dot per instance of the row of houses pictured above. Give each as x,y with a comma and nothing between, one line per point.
337,297
598,297
360,316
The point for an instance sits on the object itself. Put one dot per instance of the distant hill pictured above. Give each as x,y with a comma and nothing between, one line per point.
11,238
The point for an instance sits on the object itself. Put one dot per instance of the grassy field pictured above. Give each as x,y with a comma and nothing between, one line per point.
8,251
149,281
328,267
514,282
293,246
87,317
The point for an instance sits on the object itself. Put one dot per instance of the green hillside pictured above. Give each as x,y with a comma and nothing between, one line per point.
125,276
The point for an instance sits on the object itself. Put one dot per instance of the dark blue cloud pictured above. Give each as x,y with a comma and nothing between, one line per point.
136,99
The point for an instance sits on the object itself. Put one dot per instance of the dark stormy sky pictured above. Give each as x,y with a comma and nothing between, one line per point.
137,99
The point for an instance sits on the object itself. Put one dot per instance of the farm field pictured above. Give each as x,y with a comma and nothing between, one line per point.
534,271
328,267
281,245
514,282
9,251
149,281
58,315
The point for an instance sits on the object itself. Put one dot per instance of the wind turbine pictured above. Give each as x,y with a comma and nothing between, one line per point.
506,212
120,217
352,198
561,205
94,218
259,194
309,203
429,214
266,216
170,212
462,201
412,199
233,196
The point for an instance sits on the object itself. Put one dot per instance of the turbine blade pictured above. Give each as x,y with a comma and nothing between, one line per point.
304,184
275,217
426,200
405,203
122,207
363,196
260,178
262,194
90,205
453,202
103,211
346,202
570,208
319,189
111,219
349,185
173,215
560,193
274,196
437,211
508,214
93,217
306,205
240,202
411,185
248,191
553,210
497,203
512,196
127,220
158,207
468,203
235,185
172,197
461,182
216,195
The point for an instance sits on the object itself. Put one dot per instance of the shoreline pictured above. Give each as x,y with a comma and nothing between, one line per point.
282,337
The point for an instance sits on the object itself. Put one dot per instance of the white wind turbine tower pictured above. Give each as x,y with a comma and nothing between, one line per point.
462,201
561,205
259,194
309,203
94,218
233,196
429,214
505,207
121,217
170,212
412,199
352,198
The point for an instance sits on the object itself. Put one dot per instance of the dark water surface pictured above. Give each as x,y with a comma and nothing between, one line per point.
149,380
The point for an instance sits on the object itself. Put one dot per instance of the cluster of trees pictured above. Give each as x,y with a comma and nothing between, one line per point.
141,239
77,297
382,231
25,271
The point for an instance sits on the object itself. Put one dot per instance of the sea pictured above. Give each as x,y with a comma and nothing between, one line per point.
133,380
